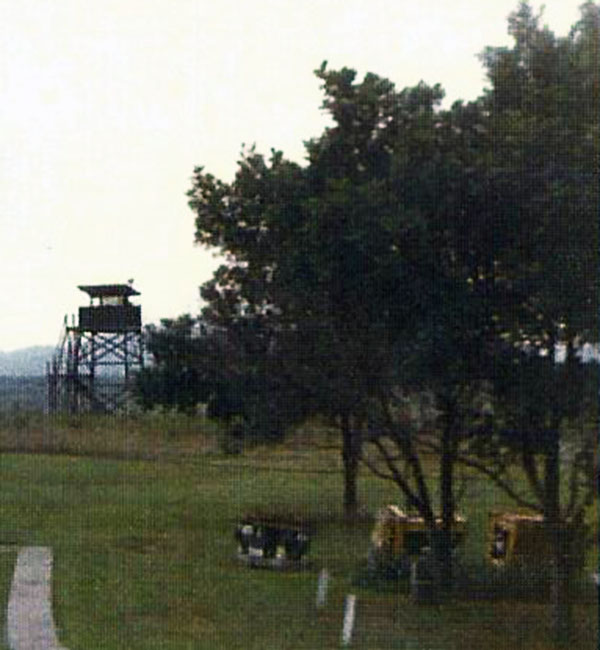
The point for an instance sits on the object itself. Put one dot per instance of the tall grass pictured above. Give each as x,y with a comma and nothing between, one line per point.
138,436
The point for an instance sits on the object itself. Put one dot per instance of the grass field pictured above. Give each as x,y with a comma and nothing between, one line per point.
142,536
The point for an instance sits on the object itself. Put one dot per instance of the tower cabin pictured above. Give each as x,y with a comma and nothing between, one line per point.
109,310
107,337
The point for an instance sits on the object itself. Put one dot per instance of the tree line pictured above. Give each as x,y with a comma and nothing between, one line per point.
427,280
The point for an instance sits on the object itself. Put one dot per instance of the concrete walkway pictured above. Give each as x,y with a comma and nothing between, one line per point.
30,625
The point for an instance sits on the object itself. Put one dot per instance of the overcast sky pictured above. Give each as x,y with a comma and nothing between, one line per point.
108,105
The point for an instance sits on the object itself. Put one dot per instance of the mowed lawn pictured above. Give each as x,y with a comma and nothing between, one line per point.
145,557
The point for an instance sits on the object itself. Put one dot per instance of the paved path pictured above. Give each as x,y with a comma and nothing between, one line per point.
30,625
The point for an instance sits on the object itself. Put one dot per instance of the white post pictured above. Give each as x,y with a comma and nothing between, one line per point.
349,611
414,583
322,588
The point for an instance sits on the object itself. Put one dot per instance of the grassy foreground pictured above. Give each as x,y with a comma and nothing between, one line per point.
145,556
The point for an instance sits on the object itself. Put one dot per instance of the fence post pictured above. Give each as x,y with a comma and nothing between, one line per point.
322,586
349,612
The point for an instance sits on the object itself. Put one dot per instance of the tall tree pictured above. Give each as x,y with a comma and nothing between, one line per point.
329,254
543,130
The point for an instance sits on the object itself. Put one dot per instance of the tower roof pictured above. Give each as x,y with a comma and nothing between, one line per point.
106,290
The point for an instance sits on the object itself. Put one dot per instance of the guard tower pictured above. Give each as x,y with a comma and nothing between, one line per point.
93,360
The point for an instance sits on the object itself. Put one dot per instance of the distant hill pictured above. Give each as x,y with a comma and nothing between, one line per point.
26,362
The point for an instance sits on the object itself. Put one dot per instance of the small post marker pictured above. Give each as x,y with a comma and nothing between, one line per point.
322,586
349,612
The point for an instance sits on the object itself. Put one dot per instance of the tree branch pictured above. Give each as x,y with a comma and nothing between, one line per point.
582,476
530,467
500,482
414,499
403,440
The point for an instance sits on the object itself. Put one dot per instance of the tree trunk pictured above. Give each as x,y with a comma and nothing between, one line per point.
561,548
443,546
351,452
562,609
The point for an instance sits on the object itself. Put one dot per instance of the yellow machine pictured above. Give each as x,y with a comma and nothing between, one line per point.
517,539
399,538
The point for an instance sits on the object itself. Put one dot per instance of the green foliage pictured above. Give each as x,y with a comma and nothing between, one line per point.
329,254
228,371
543,129
173,380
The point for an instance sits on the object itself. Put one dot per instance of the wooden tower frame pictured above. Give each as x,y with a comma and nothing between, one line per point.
92,364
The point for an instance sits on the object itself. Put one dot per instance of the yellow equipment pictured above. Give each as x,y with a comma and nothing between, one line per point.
399,538
517,539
